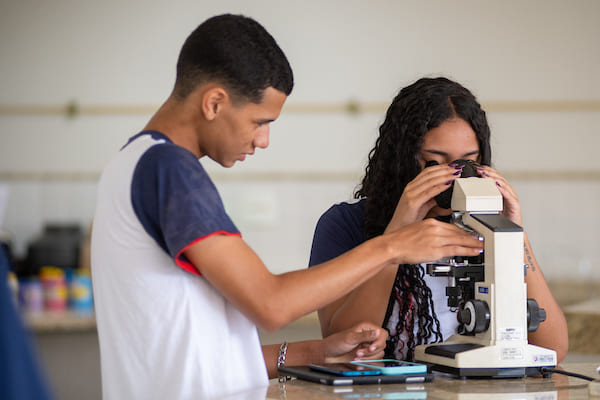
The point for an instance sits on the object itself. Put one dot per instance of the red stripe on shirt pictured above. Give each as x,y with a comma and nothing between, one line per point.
188,266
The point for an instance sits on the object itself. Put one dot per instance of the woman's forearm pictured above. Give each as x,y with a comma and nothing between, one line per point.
368,302
552,333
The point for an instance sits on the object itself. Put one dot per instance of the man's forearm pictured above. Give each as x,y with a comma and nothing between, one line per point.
298,353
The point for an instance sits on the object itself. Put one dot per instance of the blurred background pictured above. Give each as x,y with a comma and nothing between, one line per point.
79,78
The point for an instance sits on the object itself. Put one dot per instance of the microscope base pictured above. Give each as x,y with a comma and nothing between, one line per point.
488,372
468,360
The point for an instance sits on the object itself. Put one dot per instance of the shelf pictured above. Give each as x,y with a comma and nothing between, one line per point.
60,321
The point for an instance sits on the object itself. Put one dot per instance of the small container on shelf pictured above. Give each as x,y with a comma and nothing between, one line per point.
31,295
55,288
80,292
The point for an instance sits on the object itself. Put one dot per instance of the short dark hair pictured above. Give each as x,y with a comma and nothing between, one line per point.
236,52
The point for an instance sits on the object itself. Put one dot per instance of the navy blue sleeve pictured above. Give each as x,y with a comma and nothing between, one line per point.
175,199
339,229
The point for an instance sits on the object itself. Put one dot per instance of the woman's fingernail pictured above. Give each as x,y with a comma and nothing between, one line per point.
457,173
452,164
498,183
449,182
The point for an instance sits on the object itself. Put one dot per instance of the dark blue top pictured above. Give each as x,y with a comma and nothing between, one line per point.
339,229
20,375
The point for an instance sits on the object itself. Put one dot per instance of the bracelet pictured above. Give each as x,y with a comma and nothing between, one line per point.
282,354
281,362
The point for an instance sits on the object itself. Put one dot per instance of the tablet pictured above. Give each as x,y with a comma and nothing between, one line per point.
344,369
307,374
393,367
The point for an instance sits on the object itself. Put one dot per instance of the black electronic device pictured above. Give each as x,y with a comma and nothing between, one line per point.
308,374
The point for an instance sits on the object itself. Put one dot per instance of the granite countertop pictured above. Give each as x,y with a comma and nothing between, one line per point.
583,321
445,387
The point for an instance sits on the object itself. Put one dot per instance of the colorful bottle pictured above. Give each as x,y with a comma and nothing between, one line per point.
31,295
80,292
55,288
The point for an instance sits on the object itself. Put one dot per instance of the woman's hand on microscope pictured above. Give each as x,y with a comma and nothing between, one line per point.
418,199
512,207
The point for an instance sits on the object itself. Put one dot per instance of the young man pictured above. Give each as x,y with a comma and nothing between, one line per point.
178,292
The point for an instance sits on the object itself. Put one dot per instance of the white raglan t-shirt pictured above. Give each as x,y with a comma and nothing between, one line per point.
164,331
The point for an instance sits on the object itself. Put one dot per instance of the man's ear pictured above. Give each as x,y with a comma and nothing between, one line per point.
213,101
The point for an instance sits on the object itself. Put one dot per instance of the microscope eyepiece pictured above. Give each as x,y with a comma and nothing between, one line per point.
469,170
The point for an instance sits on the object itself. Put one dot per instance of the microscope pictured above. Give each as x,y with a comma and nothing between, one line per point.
488,291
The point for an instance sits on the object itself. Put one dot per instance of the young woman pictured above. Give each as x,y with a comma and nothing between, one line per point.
434,119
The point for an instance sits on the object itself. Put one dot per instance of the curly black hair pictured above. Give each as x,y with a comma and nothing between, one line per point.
393,163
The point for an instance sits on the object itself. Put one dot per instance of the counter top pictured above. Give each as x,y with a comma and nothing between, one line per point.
583,322
446,387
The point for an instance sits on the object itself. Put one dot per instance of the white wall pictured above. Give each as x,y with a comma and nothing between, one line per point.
123,53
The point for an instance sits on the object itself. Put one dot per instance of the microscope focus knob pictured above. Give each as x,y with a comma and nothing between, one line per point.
475,315
535,315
